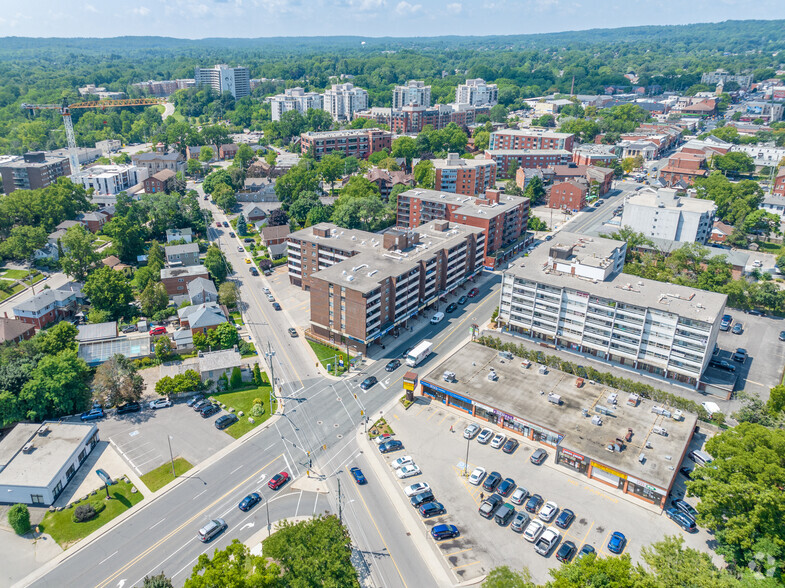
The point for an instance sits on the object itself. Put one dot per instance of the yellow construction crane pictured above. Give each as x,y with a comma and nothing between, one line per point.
65,109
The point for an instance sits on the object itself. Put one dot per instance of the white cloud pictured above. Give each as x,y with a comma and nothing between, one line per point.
405,9
455,7
90,8
366,5
141,10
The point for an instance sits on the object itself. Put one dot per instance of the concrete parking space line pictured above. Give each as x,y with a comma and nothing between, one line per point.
396,417
459,551
430,416
466,565
424,406
578,541
601,548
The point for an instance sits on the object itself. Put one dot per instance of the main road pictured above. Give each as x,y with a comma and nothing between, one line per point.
316,434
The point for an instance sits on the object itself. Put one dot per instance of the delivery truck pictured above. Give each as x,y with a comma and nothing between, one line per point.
420,352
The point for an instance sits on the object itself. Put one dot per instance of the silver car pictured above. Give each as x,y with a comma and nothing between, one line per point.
471,431
485,436
519,522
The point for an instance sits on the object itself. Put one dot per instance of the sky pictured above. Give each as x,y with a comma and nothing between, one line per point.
196,19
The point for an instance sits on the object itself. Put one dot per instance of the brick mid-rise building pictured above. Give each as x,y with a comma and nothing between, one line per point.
176,279
464,176
683,168
413,118
35,170
530,139
527,158
779,183
568,194
358,143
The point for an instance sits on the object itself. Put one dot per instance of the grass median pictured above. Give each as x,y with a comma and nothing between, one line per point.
329,355
242,400
161,476
61,526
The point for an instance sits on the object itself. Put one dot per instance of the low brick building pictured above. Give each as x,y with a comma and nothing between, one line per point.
684,167
228,151
50,306
13,330
176,279
568,194
163,181
274,235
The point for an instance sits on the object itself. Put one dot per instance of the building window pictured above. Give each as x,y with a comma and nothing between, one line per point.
36,499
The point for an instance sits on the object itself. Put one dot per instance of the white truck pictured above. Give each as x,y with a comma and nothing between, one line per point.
420,352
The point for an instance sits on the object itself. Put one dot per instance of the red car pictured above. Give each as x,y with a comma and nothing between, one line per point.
473,292
158,331
278,480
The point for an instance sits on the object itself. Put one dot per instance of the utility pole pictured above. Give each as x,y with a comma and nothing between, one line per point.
270,354
466,462
340,510
267,505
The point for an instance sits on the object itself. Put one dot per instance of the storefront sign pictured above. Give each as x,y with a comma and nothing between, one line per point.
485,408
604,468
408,385
643,484
573,455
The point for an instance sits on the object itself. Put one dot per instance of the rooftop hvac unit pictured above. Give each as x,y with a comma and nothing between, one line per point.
585,412
633,400
642,458
492,376
596,420
660,431
554,398
678,415
28,448
612,398
43,431
603,410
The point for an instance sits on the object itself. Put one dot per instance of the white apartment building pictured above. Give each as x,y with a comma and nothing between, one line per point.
764,155
573,295
414,93
664,215
110,180
223,78
294,99
343,100
477,93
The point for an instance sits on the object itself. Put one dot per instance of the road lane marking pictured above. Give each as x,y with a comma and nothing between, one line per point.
200,493
235,469
103,560
297,509
158,543
158,523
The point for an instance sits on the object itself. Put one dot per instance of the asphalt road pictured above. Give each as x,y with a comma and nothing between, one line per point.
319,423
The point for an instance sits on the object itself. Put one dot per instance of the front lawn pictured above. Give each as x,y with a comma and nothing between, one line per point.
161,476
329,355
250,350
237,318
242,400
15,274
769,247
66,532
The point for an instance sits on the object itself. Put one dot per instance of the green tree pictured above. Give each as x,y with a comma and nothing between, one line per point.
351,165
585,130
23,242
158,581
535,191
206,154
163,348
60,337
482,139
117,381
504,577
498,113
546,120
405,147
19,519
194,168
331,168
300,208
128,238
225,198
236,381
156,259
537,224
300,178
216,264
244,155
57,387
236,567
242,225
776,402
318,214
153,298
224,336
734,162
229,294
257,374
618,572
424,174
79,255
110,291
673,565
512,169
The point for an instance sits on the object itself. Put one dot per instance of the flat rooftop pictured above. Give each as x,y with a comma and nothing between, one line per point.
534,133
650,198
468,204
344,133
688,302
340,238
524,393
563,152
50,452
458,163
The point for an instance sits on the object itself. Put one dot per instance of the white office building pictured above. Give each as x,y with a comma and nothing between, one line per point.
223,78
110,180
664,215
294,99
477,92
343,100
414,93
572,294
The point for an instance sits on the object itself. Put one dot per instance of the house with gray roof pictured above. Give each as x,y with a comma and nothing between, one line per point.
201,317
202,290
214,363
179,235
50,305
182,255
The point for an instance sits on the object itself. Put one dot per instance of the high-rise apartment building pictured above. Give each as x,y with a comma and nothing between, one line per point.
36,169
412,94
223,78
477,93
464,176
572,294
342,101
294,99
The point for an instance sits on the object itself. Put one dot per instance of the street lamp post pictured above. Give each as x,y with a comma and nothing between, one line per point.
466,462
269,355
171,455
267,506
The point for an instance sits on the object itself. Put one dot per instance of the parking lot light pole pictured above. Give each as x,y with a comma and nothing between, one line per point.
171,455
466,462
267,505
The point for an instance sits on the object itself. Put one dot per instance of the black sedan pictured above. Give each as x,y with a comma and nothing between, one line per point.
490,483
506,487
389,446
565,518
358,476
129,407
276,306
209,410
686,472
452,307
566,551
249,502
510,446
534,503
392,365
368,382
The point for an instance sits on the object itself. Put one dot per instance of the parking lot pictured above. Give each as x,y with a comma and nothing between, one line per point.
760,337
425,430
141,437
294,300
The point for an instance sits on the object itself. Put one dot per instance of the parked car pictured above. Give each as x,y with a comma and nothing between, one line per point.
278,480
726,322
422,498
270,298
510,446
408,471
477,476
266,290
389,446
225,421
586,550
416,488
249,502
506,487
519,495
160,403
534,503
782,336
533,530
722,365
392,365
490,483
368,382
130,329
226,224
93,414
566,551
685,522
549,510
440,532
437,318
740,355
254,271
547,541
128,407
685,507
212,530
209,410
538,456
503,514
686,472
565,518
519,522
431,509
231,234
473,292
292,331
485,436
737,329
158,331
401,461
452,307
358,475
463,300
194,399
382,438
471,431
498,440
489,506
617,542
199,404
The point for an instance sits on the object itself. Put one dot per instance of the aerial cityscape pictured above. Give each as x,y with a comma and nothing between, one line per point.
392,295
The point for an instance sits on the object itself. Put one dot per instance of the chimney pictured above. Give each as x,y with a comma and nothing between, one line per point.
492,196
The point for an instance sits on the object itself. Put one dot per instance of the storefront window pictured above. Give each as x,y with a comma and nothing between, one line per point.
433,393
484,413
572,460
641,488
459,403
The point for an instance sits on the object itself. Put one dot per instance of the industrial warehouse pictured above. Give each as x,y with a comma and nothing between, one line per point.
616,438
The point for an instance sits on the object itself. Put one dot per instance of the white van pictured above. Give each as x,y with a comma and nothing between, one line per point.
437,318
700,457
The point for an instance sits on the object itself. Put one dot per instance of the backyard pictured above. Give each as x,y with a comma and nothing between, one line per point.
329,355
241,400
161,476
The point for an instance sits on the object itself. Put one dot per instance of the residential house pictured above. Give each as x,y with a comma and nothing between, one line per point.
568,194
257,190
176,279
114,262
253,212
274,235
201,291
779,183
386,180
163,181
13,330
179,235
50,305
183,339
214,363
201,318
646,149
94,221
193,152
180,255
720,232
775,204
155,162
600,177
227,151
